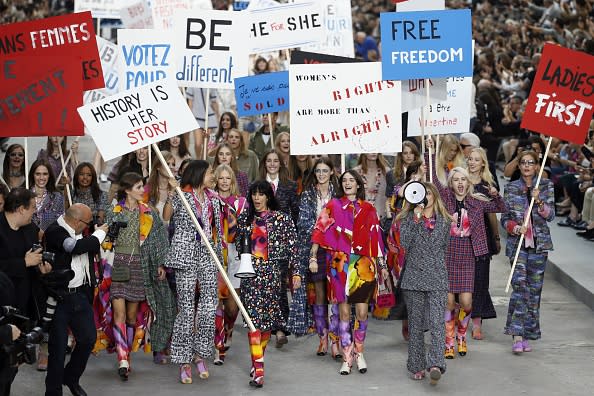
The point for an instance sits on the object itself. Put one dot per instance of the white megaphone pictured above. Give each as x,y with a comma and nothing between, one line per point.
415,193
246,269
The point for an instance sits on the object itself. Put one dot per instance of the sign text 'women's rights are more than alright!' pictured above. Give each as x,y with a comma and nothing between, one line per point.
425,44
137,118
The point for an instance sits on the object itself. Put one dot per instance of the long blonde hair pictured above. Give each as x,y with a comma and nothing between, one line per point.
470,187
380,162
153,180
220,169
441,162
438,205
485,173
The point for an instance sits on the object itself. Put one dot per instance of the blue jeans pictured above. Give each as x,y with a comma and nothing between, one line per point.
74,311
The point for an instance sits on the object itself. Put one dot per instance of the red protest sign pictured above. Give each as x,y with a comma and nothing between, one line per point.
64,35
562,96
39,96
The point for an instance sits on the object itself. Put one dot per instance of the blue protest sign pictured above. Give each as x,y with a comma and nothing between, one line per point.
264,93
424,44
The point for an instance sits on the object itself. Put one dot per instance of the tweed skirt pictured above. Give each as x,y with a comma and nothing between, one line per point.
460,265
133,290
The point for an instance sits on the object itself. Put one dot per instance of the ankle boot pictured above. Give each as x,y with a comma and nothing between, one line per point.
359,336
219,337
346,343
257,356
450,333
122,350
333,333
320,314
464,320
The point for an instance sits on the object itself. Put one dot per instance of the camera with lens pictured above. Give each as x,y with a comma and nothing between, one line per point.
112,234
21,350
50,257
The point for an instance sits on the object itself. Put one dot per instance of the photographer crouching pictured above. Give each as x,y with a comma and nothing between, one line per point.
74,303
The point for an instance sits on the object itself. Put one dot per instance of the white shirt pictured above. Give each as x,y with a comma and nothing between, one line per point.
80,262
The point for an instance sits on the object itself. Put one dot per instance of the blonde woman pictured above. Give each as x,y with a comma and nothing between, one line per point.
282,145
482,180
424,234
449,155
373,168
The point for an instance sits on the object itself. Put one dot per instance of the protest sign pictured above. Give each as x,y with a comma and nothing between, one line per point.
210,48
562,96
337,23
413,91
418,5
424,44
146,55
240,5
63,35
109,55
264,93
109,9
39,96
137,16
164,10
137,118
284,26
449,116
344,108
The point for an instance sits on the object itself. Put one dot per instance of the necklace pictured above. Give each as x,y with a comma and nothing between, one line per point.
372,191
16,174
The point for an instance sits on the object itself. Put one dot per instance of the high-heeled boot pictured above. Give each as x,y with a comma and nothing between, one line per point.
219,337
450,333
359,336
257,356
122,350
344,329
333,333
320,314
463,321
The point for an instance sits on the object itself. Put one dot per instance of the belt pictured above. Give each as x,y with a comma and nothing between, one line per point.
72,290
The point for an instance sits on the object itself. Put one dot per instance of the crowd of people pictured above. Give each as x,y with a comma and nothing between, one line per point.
321,239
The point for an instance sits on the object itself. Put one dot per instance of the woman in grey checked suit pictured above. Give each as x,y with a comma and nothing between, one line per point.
424,235
193,332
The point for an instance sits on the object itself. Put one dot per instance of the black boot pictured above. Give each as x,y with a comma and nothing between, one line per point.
586,234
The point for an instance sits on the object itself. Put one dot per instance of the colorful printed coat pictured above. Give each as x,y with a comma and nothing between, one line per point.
517,201
159,311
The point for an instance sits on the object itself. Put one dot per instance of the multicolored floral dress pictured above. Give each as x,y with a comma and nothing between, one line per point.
349,231
272,236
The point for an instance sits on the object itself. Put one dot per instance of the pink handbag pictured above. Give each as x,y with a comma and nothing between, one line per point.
385,297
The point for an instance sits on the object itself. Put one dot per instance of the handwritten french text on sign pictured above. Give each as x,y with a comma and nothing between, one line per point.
344,108
39,96
285,26
424,44
108,54
449,116
562,96
64,35
338,29
264,93
137,16
146,55
137,118
210,48
100,8
164,10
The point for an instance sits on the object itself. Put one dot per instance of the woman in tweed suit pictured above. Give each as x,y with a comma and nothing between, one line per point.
467,244
424,235
523,317
193,335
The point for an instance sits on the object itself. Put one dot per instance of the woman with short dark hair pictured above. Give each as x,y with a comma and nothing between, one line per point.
194,328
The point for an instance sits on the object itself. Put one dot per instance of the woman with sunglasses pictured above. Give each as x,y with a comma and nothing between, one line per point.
14,166
523,315
348,229
320,187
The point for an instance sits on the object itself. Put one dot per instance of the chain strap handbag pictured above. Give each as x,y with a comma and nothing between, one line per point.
121,271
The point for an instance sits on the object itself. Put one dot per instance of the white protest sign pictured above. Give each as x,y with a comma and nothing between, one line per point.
338,29
414,94
99,8
420,5
137,118
210,48
450,116
254,4
164,10
340,108
284,26
146,55
137,16
108,54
